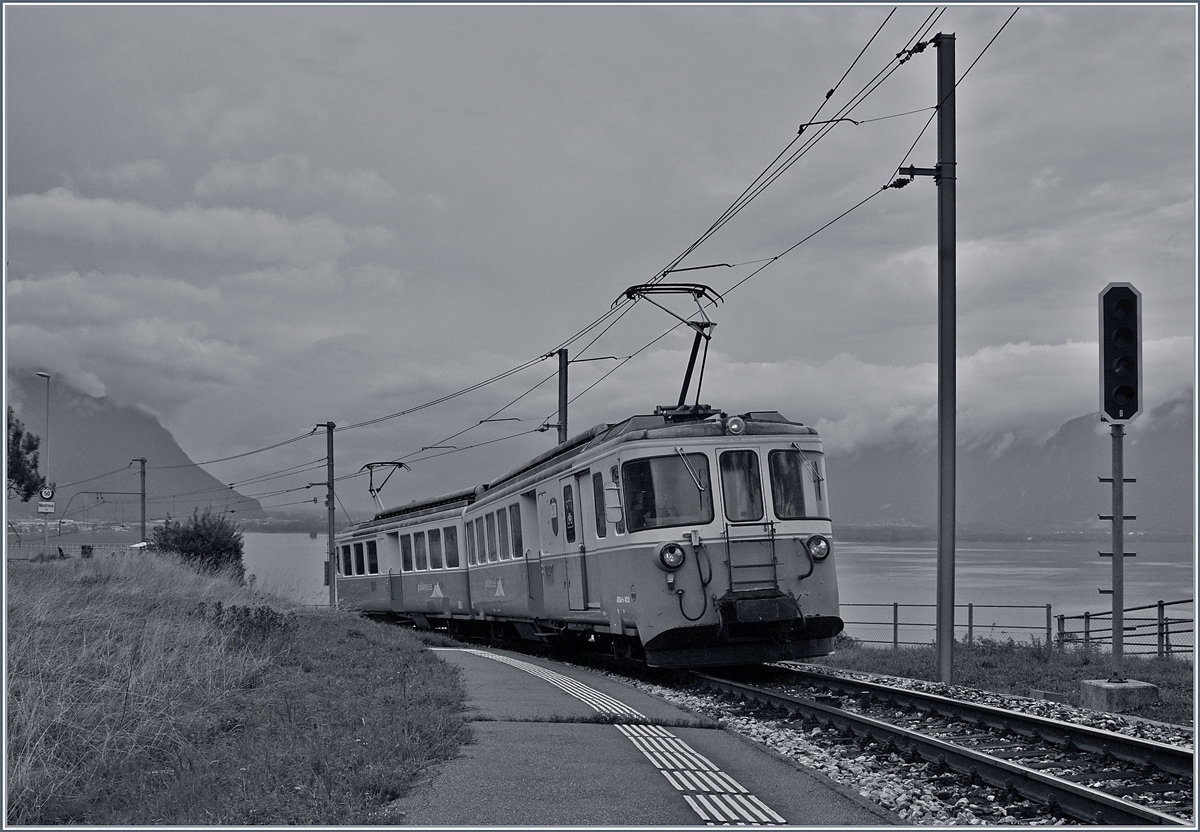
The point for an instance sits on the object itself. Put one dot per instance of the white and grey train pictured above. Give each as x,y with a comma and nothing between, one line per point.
688,538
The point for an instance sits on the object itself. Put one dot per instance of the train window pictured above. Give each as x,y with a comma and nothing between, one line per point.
450,538
665,491
797,484
490,522
554,516
480,540
372,558
514,514
420,552
435,549
741,486
346,561
598,500
502,532
406,554
469,541
569,513
616,480
358,559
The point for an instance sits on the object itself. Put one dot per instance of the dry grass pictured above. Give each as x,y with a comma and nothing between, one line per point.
142,692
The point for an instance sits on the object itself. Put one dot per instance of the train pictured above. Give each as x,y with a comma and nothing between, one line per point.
683,538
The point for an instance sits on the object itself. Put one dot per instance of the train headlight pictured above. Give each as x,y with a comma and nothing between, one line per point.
669,556
736,425
818,547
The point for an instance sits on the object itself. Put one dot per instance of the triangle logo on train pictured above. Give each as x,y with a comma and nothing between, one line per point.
499,587
437,592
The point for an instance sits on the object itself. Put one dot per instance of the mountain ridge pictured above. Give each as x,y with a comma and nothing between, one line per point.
1017,490
94,448
1026,488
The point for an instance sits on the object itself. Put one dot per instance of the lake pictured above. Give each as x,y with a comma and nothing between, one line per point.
990,574
288,565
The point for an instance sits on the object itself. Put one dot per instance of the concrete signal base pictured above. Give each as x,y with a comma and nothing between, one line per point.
1117,697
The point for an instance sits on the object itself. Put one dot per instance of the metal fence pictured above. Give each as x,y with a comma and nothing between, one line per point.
1169,630
912,625
36,551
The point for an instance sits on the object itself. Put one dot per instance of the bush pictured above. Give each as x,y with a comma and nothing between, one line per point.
207,541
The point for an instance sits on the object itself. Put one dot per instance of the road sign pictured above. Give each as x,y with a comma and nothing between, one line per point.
47,493
46,507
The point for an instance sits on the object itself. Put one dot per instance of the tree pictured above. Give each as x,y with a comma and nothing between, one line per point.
208,541
23,478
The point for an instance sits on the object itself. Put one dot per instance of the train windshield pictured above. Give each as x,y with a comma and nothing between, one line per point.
741,486
666,491
798,484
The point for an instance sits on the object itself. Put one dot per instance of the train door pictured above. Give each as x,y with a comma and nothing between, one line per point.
587,523
576,541
532,552
749,532
553,579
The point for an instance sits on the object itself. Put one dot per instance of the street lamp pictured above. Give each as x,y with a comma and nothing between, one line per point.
46,518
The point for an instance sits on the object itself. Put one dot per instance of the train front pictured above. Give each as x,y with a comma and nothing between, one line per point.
734,521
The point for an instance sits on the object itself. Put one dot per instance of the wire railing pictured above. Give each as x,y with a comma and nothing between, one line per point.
914,625
1164,633
38,552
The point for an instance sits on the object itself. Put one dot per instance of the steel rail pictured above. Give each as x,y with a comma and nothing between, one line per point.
1171,759
1080,802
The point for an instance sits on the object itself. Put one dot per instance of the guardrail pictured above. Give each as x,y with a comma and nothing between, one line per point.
913,625
1159,635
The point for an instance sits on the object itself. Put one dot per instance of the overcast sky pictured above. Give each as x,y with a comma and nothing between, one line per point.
250,220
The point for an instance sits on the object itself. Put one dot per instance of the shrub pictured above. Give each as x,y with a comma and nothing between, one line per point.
207,541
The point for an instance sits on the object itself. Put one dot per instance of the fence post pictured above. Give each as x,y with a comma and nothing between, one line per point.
895,626
1049,627
1062,633
1087,631
970,624
1162,633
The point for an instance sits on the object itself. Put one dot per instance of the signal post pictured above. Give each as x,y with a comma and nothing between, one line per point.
1120,403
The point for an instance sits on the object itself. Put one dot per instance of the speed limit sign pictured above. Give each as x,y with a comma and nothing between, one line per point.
47,493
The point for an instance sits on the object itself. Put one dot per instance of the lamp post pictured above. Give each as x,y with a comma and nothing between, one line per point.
46,518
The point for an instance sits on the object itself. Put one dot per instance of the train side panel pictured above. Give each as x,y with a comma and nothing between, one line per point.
498,558
410,568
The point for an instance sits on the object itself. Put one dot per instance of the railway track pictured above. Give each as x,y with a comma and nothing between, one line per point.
1091,775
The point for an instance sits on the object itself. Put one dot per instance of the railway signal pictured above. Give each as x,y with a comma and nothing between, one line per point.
1120,353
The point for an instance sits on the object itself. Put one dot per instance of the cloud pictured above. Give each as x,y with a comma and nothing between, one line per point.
218,232
134,175
1013,393
292,174
165,356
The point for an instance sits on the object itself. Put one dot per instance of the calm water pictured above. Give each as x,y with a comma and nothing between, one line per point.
1067,576
288,565
1064,575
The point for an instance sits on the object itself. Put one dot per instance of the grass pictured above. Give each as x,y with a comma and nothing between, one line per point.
1016,668
141,692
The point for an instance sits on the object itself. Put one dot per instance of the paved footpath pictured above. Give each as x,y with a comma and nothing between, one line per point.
540,757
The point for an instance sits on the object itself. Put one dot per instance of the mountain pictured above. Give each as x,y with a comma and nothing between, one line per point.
1030,489
90,437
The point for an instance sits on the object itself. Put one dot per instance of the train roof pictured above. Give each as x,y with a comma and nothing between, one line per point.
432,504
664,423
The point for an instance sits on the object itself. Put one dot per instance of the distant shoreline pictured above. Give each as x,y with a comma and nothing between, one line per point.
897,534
848,532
